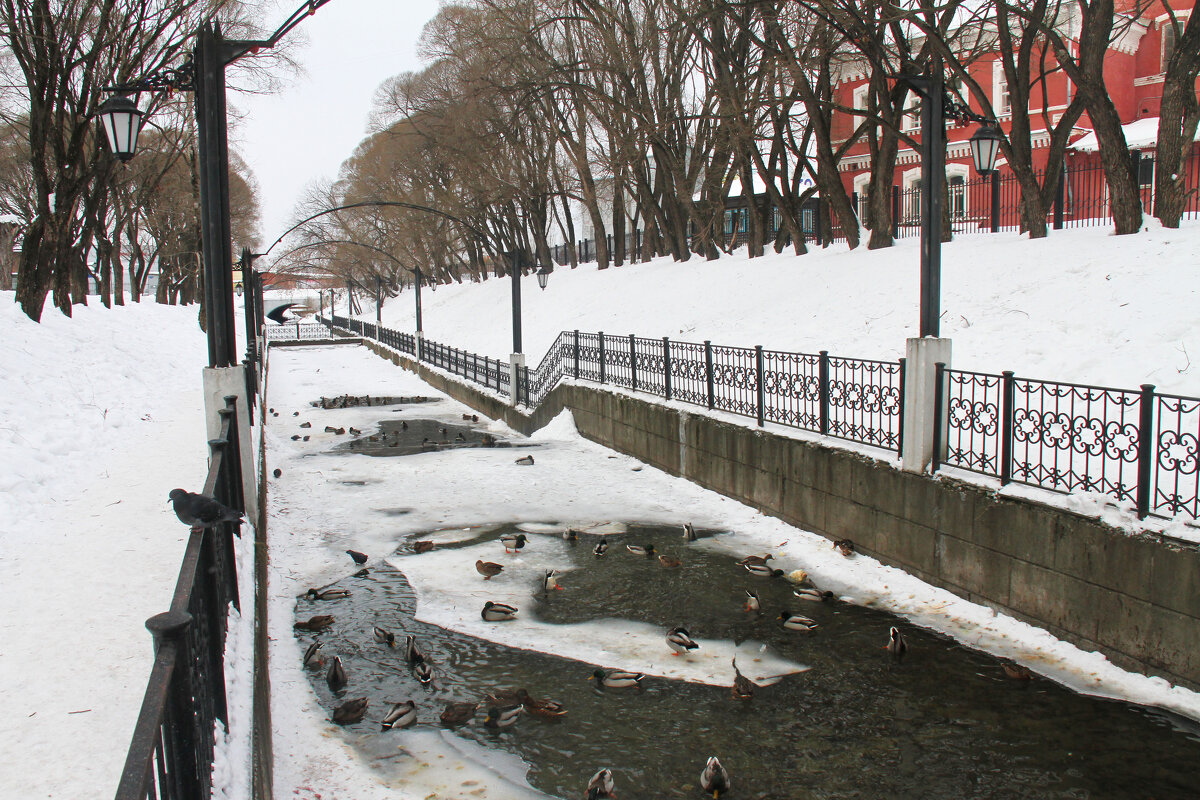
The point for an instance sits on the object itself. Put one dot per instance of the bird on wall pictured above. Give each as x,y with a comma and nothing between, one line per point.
201,511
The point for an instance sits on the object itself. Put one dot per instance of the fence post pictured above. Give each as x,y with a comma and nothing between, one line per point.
820,226
758,370
171,627
666,368
1007,410
1060,199
939,371
576,352
1145,449
995,201
900,412
632,362
823,380
895,211
602,356
708,373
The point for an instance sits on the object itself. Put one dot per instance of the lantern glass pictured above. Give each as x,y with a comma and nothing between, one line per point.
543,277
985,145
122,121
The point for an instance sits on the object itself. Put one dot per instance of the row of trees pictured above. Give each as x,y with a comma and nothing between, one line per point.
644,114
72,209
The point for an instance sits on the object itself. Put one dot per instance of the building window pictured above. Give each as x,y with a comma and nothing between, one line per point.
729,221
912,112
860,104
808,220
957,185
1001,101
1168,42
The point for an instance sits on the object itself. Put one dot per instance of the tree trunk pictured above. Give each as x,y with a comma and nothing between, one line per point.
1178,116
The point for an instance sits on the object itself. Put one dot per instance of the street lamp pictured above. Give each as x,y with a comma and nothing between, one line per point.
122,122
543,277
985,144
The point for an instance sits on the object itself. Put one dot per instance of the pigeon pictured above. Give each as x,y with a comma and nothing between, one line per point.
359,558
277,472
201,511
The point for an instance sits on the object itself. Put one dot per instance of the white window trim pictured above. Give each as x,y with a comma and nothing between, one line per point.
963,171
998,81
911,121
1163,21
859,101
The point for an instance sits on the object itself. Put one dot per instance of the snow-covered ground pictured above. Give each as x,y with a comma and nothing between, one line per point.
103,416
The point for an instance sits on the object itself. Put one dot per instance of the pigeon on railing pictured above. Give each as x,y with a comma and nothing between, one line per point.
201,511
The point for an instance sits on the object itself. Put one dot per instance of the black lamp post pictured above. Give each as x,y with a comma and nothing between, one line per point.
203,73
516,261
938,105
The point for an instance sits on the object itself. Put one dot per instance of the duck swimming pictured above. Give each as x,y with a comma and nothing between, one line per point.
336,675
502,716
601,547
385,637
401,715
423,672
669,561
311,657
755,560
795,622
753,604
550,583
640,550
763,571
412,654
896,644
813,595
328,594
350,711
617,678
601,786
714,778
689,533
317,623
458,713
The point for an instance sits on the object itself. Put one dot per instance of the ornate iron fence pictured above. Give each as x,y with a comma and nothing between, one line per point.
1134,446
171,754
1137,446
295,331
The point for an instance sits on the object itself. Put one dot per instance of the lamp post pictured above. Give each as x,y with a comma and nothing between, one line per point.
515,259
927,354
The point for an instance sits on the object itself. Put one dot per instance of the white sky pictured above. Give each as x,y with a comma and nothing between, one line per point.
303,133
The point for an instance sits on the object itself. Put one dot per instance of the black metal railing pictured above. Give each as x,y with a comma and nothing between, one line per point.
171,754
1140,447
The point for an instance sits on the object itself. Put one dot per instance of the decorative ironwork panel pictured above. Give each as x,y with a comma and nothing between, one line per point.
792,385
648,359
589,356
1176,469
974,404
296,331
735,380
550,370
1070,437
864,401
689,382
617,360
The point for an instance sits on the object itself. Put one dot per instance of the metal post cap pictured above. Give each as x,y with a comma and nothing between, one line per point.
169,624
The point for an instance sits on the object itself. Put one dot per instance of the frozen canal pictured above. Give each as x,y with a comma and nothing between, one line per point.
838,717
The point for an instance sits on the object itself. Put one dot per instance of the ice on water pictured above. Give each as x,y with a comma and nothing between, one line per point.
455,604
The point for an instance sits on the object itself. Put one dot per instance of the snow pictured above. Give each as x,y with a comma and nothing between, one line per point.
1140,134
103,416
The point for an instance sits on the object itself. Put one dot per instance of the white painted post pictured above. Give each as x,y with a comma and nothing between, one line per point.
515,362
921,358
220,382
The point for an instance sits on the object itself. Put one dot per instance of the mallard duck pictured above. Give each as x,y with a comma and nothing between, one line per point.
335,676
679,641
544,708
763,571
412,654
846,546
506,697
601,547
316,623
571,535
311,657
753,604
460,438
502,716
550,583
513,541
813,595
423,546
401,715
689,533
488,569
743,687
385,637
795,622
328,594
497,612
669,561
458,713
359,558
525,461
351,711
423,672
403,425
601,786
1016,671
617,678
640,550
896,645
755,560
714,778
355,431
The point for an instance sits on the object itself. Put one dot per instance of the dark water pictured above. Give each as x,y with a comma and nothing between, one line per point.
421,436
945,723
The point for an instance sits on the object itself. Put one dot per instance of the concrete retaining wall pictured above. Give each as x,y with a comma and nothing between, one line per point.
1133,597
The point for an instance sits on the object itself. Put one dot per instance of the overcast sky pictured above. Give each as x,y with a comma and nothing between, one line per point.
303,133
